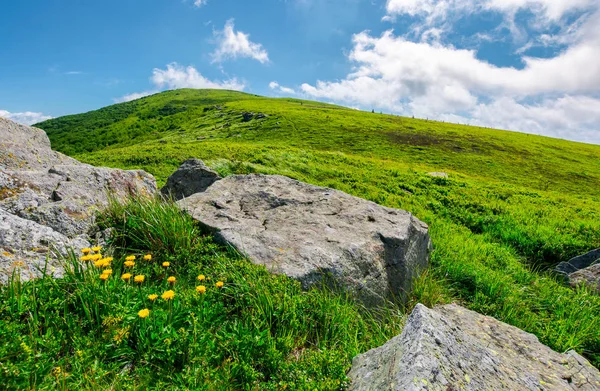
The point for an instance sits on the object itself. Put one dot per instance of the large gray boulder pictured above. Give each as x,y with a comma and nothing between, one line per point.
452,348
309,232
54,191
29,249
193,176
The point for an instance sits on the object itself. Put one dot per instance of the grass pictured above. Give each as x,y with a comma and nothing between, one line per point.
514,205
258,332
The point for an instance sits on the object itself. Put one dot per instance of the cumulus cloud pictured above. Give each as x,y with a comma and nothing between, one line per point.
233,44
429,78
200,3
134,96
437,10
177,76
25,118
279,88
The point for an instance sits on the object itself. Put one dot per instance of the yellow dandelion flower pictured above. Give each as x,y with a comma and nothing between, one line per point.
201,289
171,280
166,264
107,271
99,263
152,297
144,313
148,257
96,257
86,258
201,277
126,276
104,277
96,249
168,295
219,284
130,258
139,279
109,259
129,263
56,371
86,250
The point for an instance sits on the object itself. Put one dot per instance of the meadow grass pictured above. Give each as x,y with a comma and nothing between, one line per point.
257,332
514,205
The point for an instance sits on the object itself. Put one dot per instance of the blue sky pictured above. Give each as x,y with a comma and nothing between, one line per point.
527,65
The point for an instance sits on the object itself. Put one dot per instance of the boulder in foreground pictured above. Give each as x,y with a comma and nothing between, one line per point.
48,199
452,348
309,232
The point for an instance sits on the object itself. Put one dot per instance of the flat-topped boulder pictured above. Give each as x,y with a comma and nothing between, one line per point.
54,191
452,348
316,234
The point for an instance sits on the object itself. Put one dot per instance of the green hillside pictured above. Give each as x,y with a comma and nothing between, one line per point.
514,204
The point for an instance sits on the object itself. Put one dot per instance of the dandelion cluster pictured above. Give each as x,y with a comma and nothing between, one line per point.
140,273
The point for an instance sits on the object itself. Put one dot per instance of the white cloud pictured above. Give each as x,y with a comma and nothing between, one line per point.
177,76
279,88
200,3
551,10
233,45
134,96
554,96
25,118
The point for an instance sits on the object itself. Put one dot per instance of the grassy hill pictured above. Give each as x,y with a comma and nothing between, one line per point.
514,204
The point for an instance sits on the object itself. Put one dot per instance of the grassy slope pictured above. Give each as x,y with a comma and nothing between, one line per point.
514,205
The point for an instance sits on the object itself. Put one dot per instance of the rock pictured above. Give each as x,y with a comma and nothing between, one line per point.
53,190
438,174
193,176
247,116
579,269
589,276
452,348
25,245
579,262
261,116
315,234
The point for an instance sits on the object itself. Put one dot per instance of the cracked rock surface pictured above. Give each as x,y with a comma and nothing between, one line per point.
451,348
316,234
48,200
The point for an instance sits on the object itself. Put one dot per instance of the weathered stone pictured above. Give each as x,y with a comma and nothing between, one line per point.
247,116
54,190
309,232
193,176
579,262
28,248
589,276
452,348
579,270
